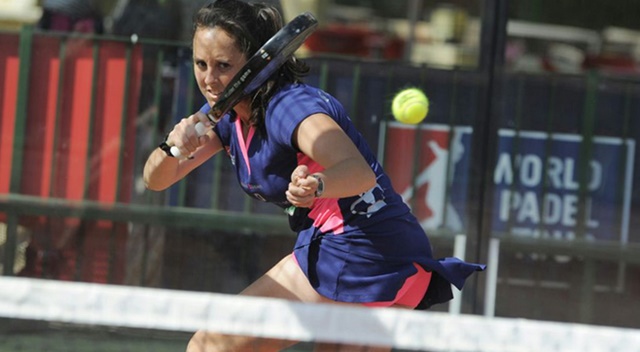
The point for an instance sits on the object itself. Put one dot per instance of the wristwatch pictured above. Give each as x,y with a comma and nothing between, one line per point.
165,147
320,188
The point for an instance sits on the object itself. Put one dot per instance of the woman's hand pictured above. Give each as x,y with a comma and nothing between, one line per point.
185,136
161,171
302,188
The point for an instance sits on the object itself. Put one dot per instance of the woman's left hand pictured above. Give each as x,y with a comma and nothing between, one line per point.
302,188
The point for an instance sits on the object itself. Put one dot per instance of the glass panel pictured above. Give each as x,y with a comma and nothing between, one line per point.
562,197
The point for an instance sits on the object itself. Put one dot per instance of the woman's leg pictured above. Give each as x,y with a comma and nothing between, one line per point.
285,280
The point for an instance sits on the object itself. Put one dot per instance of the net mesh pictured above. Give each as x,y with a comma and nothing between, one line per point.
45,315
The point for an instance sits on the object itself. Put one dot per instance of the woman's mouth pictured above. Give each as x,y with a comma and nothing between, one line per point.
213,96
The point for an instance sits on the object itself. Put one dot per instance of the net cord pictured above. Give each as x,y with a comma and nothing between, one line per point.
173,310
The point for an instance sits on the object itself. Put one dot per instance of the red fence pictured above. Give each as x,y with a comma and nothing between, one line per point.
78,143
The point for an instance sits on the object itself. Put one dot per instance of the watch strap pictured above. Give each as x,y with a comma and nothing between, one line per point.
165,147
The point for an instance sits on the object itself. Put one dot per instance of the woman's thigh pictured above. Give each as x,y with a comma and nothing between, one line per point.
287,281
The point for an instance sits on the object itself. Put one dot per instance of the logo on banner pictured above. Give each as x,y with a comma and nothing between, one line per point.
428,166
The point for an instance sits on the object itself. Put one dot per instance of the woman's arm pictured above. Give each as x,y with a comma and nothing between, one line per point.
161,170
346,172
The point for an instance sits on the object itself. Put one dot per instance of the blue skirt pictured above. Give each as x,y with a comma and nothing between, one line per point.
372,264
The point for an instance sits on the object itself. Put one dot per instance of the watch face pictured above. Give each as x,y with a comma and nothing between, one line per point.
320,189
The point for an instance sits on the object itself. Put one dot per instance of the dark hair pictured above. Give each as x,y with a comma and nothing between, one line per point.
252,25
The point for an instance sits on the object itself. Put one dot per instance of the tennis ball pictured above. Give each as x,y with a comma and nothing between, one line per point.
410,106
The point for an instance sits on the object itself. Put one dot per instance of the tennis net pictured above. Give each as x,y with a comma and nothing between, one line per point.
38,315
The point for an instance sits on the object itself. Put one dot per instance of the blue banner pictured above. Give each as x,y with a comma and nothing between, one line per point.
556,186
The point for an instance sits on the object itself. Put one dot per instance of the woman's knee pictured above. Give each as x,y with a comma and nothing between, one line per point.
211,342
197,343
203,341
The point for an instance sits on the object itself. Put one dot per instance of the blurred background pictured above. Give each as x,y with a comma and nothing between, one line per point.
541,35
526,161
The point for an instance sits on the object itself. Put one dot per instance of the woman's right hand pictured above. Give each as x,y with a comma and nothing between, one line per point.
185,136
161,171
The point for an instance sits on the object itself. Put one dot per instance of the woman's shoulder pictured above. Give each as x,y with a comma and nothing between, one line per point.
295,91
301,96
292,104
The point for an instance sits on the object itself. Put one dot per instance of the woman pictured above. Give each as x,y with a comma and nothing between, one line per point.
294,145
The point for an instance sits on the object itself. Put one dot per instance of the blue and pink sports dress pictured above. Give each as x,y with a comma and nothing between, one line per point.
356,249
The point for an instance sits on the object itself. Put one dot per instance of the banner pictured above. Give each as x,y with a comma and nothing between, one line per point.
538,180
545,189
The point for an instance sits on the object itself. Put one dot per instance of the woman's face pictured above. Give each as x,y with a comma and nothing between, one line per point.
216,59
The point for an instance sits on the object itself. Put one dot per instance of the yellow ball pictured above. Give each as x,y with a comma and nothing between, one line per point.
410,106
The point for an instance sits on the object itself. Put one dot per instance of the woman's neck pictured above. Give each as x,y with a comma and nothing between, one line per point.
243,111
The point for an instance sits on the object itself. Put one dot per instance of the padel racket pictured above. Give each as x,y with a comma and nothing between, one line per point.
268,59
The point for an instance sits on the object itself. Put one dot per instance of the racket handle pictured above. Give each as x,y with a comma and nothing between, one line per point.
200,130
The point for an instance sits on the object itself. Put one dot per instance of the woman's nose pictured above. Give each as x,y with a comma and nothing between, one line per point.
210,78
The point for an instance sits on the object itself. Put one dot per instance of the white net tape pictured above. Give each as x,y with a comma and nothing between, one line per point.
134,307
